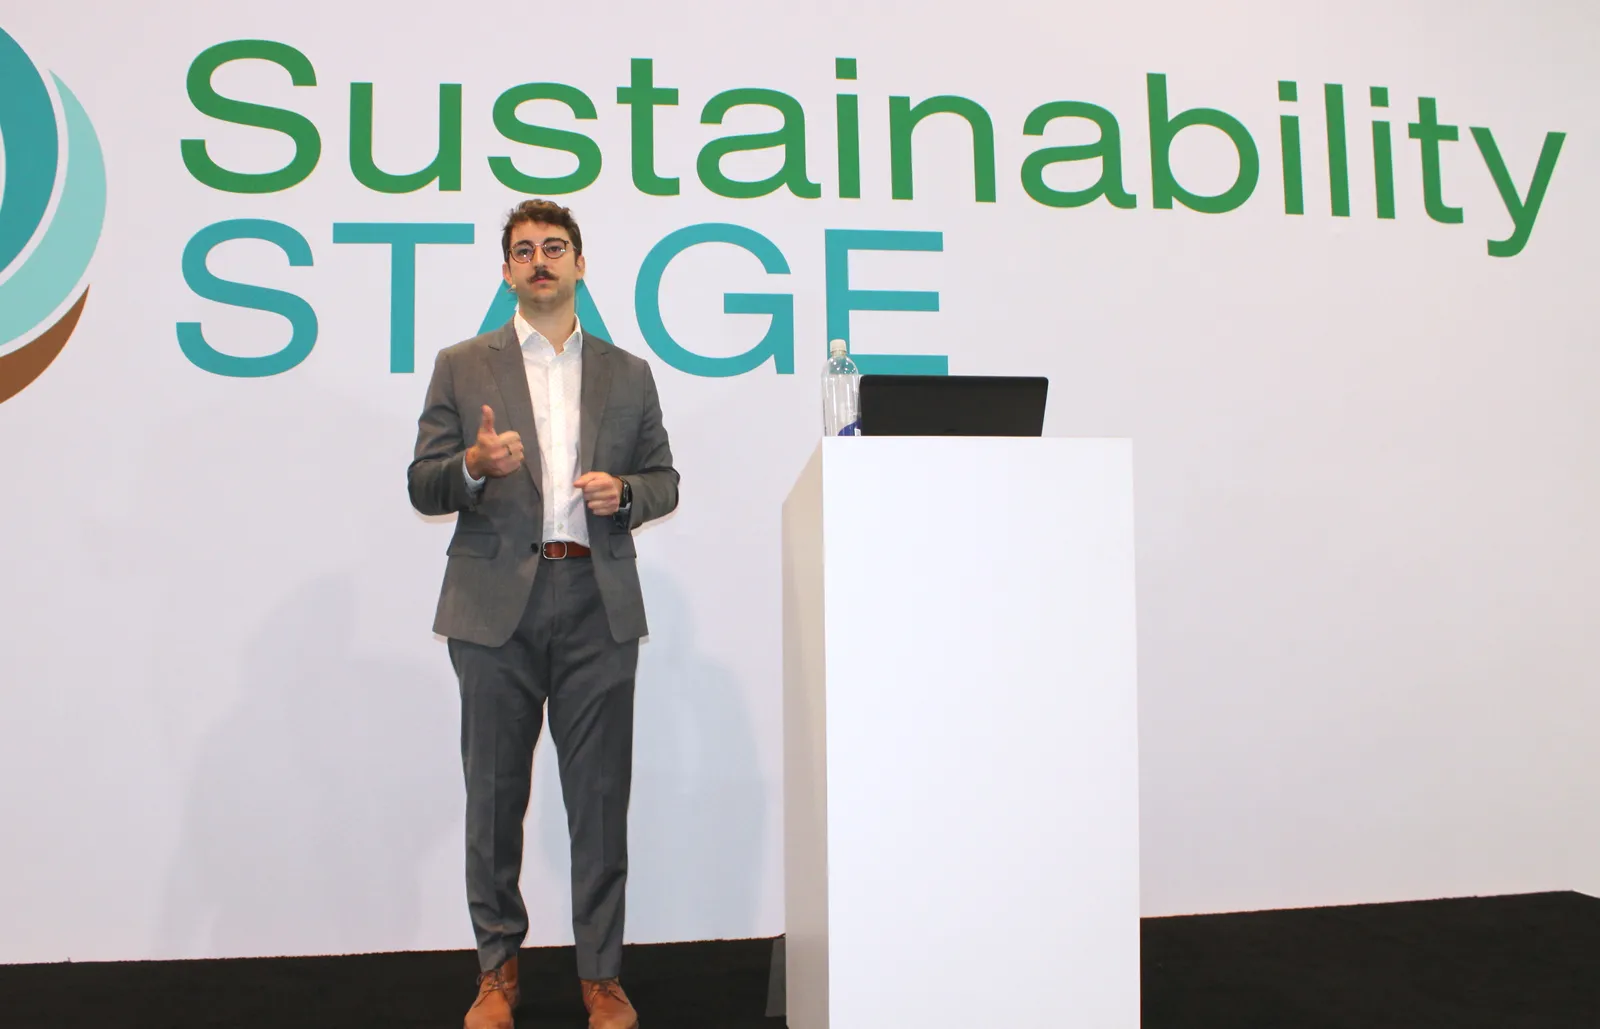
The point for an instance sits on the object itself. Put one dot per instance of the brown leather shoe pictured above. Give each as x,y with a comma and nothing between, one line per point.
608,1005
497,998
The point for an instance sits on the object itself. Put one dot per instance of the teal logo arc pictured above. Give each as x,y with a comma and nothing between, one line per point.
52,209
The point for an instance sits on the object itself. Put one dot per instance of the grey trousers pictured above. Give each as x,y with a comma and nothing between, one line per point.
562,652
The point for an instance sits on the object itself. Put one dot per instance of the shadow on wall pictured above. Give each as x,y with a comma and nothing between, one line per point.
697,820
316,793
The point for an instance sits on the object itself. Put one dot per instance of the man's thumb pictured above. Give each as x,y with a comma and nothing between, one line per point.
488,420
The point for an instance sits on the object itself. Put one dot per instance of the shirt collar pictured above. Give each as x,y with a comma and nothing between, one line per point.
527,334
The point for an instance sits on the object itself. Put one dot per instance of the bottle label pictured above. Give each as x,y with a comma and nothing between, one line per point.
853,429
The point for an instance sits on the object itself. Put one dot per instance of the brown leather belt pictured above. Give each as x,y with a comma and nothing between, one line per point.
558,550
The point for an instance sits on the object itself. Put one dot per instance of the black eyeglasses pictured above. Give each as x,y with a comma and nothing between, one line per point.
553,248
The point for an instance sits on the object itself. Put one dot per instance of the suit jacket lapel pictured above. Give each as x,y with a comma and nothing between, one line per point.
592,405
511,376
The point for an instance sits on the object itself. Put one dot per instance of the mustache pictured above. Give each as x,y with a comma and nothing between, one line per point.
541,275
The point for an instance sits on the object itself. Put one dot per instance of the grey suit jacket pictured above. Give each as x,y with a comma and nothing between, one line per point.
494,554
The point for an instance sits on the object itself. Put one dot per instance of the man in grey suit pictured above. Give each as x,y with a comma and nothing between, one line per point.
547,443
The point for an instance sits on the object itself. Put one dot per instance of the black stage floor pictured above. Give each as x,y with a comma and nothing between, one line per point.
1522,962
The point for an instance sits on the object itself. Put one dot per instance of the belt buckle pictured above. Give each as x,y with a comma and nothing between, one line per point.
548,546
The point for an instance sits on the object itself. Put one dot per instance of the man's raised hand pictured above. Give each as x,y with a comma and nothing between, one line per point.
495,454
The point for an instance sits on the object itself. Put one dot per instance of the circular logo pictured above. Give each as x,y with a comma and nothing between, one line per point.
43,252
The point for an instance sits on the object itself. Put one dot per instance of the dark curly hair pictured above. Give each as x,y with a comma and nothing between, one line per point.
546,211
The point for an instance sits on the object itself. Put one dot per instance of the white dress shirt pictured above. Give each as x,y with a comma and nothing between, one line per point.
555,385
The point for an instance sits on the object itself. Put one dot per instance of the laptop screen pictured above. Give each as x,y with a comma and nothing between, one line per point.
952,405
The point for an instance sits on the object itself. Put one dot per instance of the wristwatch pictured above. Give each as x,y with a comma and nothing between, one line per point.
627,496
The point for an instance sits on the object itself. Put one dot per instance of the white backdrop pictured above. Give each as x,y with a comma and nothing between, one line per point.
1366,459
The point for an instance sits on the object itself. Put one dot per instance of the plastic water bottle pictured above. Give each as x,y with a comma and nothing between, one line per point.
841,380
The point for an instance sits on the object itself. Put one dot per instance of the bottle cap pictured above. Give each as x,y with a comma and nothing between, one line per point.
838,348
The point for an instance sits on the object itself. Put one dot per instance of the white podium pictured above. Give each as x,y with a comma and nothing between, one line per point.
960,743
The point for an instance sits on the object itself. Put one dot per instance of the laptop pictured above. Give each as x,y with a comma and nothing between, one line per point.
952,405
